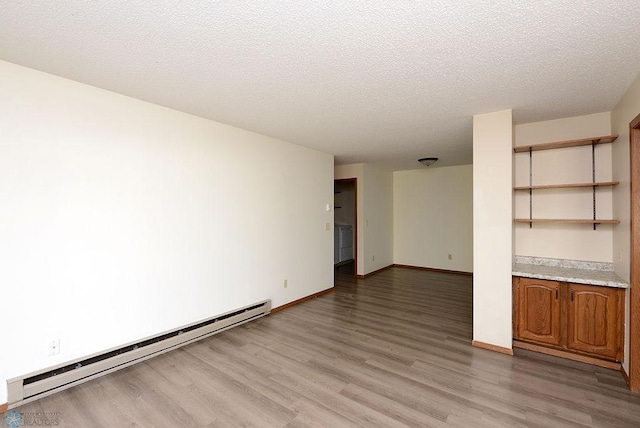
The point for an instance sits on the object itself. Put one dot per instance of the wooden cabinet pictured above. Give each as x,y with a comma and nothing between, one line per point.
539,315
583,319
595,319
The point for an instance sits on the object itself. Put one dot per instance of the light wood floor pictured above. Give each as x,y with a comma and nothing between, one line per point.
391,350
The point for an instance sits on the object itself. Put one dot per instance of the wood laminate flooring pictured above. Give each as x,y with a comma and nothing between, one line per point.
387,351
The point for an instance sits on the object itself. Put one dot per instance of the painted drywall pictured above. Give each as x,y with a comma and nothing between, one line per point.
356,171
121,219
377,247
570,165
492,227
624,112
433,217
375,214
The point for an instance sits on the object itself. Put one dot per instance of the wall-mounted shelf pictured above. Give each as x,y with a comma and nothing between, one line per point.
593,141
567,185
605,139
563,220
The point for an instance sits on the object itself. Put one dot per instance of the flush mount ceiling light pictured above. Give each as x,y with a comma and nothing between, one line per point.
428,161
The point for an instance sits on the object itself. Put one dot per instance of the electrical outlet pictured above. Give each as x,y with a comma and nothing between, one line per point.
620,256
327,226
285,284
450,256
54,347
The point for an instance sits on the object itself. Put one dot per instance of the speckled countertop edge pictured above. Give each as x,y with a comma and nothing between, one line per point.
576,271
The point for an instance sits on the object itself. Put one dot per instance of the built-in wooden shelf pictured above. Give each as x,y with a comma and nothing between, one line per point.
593,141
605,139
567,185
558,220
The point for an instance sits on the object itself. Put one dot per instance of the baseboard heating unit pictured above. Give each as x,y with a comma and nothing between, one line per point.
33,386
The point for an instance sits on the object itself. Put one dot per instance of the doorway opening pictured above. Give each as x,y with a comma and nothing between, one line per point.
345,251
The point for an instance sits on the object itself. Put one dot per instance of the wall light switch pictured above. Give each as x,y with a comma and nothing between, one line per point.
327,226
328,207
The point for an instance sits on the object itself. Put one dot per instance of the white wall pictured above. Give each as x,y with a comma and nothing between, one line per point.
570,165
121,219
492,227
433,217
378,218
625,111
375,214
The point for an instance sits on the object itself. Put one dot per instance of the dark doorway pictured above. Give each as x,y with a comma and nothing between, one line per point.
346,226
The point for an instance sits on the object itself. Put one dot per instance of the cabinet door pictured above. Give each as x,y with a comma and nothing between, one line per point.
539,311
595,320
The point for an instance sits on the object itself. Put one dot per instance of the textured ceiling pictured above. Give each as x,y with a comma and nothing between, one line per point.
366,81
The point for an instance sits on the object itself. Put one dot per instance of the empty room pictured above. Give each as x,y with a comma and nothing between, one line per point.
320,214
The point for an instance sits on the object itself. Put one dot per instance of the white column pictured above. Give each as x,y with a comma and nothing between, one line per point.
492,229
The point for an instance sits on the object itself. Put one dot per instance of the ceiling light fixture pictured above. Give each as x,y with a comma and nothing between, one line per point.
428,161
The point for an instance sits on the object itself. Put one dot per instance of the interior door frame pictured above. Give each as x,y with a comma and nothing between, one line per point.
355,219
634,304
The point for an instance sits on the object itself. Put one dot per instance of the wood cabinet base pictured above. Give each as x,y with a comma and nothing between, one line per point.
568,355
567,319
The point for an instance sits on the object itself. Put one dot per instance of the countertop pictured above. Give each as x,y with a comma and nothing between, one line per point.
576,271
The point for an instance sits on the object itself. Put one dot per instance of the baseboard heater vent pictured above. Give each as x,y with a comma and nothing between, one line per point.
33,386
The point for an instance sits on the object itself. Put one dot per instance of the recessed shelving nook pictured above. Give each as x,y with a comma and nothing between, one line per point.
593,185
